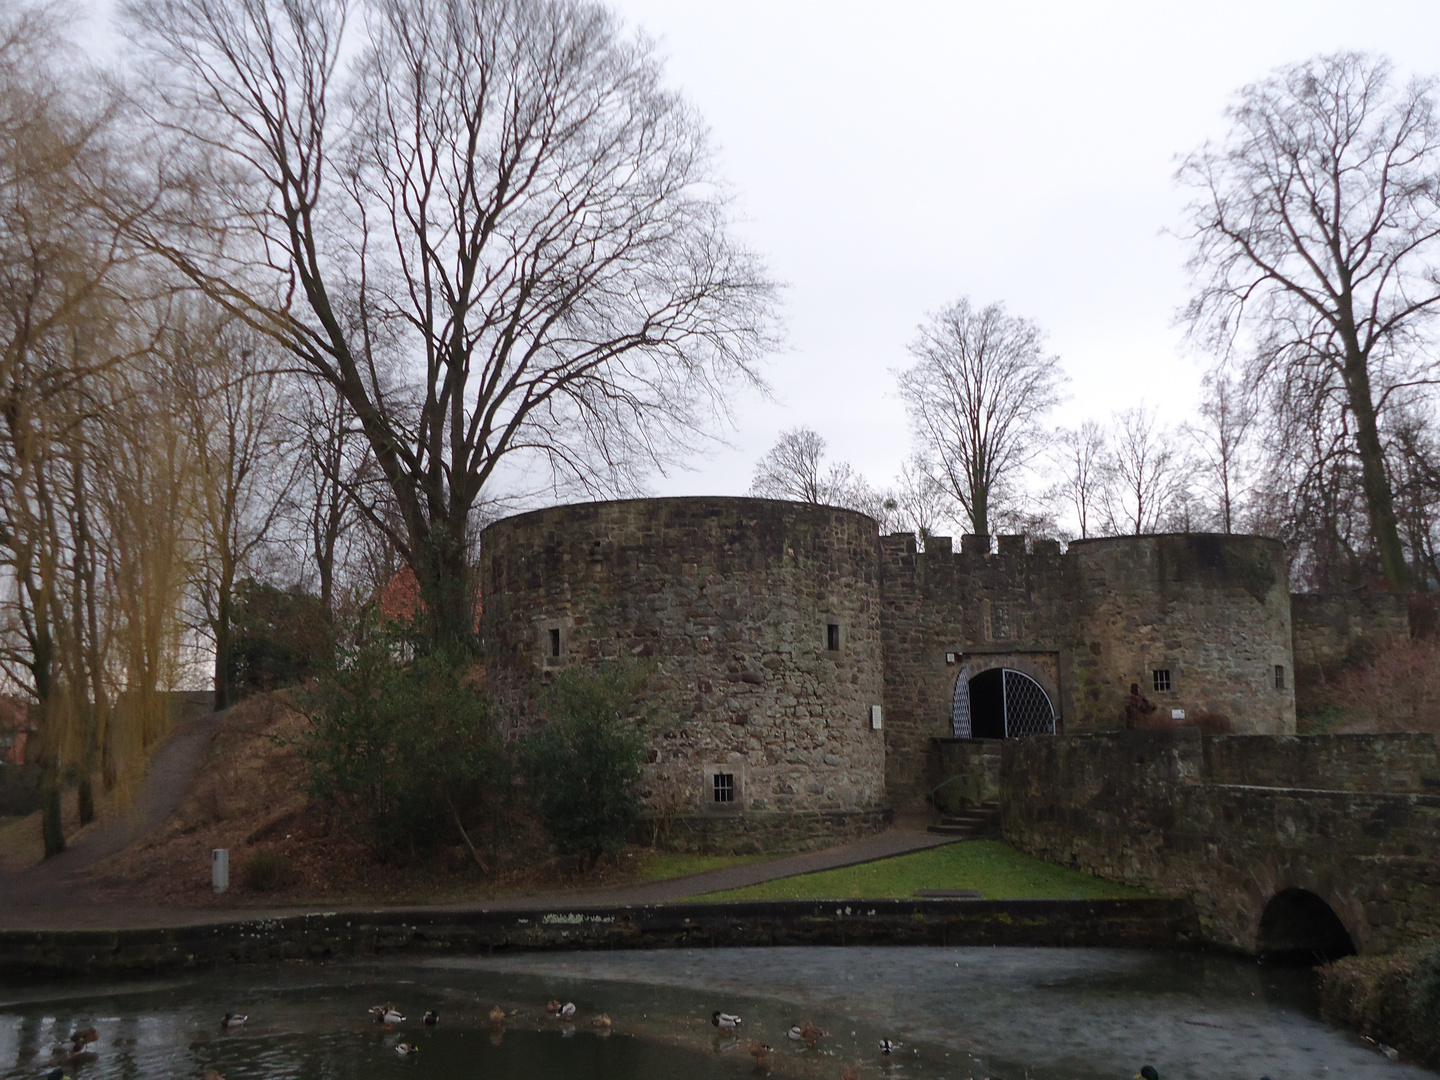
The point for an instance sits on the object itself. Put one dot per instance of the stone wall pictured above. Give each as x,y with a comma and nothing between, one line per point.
1213,611
1147,809
730,605
969,772
1392,762
988,609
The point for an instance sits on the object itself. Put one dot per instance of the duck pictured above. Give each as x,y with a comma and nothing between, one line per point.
552,1006
391,1017
497,1015
810,1034
887,1046
759,1051
233,1020
1147,1072
725,1021
406,1049
602,1022
566,1012
431,1018
86,1035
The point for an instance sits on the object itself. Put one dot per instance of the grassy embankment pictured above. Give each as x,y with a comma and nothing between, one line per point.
995,870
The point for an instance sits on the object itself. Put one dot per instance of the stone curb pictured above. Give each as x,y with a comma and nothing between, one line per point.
328,936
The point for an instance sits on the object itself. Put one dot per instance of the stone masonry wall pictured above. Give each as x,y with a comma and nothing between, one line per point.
1146,808
728,602
1213,611
993,609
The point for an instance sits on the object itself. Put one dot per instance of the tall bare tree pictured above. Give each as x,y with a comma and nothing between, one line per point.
980,384
494,233
1082,455
1142,474
1222,439
1316,234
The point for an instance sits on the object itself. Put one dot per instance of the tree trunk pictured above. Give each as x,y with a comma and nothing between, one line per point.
224,646
52,820
1379,499
443,571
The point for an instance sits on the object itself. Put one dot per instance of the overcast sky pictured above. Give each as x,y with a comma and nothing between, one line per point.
888,159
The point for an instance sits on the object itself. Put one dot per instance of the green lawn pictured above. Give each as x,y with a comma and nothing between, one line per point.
995,870
663,865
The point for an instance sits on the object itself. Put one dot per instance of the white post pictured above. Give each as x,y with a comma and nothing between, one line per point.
220,869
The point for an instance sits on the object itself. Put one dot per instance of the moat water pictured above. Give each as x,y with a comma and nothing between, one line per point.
1003,1013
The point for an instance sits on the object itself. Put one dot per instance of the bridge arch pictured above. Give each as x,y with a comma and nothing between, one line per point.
1299,926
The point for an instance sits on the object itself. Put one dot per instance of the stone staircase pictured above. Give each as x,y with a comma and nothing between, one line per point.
983,820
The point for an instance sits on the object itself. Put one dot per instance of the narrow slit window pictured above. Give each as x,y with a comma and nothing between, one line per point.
1279,676
832,637
1161,679
724,787
555,642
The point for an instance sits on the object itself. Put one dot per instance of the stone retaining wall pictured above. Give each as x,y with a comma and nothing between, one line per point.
1143,808
320,937
759,834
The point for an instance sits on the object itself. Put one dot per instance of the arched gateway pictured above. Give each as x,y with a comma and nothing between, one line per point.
1000,703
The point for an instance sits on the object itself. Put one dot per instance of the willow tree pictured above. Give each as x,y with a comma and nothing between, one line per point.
484,224
1315,227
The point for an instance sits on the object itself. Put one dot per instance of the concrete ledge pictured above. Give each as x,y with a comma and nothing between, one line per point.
336,935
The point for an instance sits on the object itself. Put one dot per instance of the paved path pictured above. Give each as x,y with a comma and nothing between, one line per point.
893,841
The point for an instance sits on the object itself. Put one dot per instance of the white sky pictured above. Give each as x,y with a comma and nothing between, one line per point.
891,158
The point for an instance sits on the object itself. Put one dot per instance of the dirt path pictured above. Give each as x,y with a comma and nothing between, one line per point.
51,885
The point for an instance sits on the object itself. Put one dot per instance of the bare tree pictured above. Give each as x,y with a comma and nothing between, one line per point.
917,503
493,234
1082,455
791,468
1316,232
1142,474
1227,417
980,384
229,389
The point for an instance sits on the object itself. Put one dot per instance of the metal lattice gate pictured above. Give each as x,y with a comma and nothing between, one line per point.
960,707
1027,707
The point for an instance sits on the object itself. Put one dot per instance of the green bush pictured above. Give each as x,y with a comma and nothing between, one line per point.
400,738
267,871
583,765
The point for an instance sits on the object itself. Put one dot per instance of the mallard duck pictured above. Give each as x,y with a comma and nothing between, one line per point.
796,1033
431,1018
552,1006
378,1011
233,1020
603,1022
406,1049
391,1017
1147,1072
887,1046
759,1051
567,1011
497,1015
810,1034
86,1035
725,1021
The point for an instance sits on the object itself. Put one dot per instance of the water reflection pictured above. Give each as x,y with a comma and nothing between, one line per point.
1010,1014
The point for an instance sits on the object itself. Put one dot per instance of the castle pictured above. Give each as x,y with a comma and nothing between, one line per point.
803,667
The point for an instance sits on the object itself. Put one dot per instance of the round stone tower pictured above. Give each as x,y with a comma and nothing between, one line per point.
758,621
1200,621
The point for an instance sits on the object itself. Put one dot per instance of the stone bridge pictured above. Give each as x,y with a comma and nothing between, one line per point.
1288,844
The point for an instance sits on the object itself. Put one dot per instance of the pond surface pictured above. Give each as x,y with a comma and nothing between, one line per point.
1003,1013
